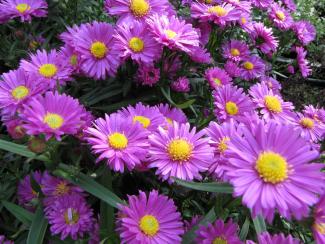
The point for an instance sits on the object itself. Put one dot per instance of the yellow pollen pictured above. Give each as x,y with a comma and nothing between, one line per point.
22,7
220,240
320,228
143,120
272,167
139,8
136,44
71,216
231,108
248,65
307,123
117,141
169,121
48,70
280,15
234,52
222,146
208,1
149,225
61,189
243,20
218,10
273,104
54,121
74,60
179,150
217,81
20,92
170,34
98,50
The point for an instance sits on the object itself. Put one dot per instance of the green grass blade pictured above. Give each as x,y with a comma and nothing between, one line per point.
20,213
38,229
218,187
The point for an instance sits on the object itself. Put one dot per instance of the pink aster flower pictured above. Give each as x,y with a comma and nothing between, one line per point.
319,221
201,55
305,31
235,50
25,9
53,115
179,152
148,75
15,128
119,141
182,84
280,17
303,62
232,69
133,41
217,77
68,37
317,114
271,104
262,4
245,22
172,114
291,69
174,33
205,31
149,219
267,238
269,168
49,68
231,102
219,232
98,54
252,67
272,84
290,4
69,53
310,129
70,216
244,6
263,38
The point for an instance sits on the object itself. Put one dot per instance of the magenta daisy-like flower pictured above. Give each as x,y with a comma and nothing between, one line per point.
177,151
245,22
252,67
263,38
188,225
290,4
231,102
49,68
68,37
219,232
305,31
119,141
232,69
25,9
70,216
310,129
69,53
217,77
220,14
149,117
303,63
3,240
172,114
149,219
272,84
15,128
280,17
53,115
133,41
271,104
235,50
201,55
174,33
98,54
269,168
266,238
319,221
182,84
317,114
148,75
262,4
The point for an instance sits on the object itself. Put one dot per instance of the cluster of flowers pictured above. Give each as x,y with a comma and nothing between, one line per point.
65,206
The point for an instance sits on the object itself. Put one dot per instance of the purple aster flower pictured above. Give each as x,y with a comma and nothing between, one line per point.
132,40
205,31
290,4
280,17
174,33
178,151
262,4
182,84
235,50
269,168
68,37
119,141
310,129
149,219
69,53
217,77
98,54
15,128
245,22
172,114
272,84
263,38
148,75
49,68
53,115
201,55
267,238
171,66
317,114
70,216
244,6
3,240
231,102
232,69
25,9
303,62
252,67
319,221
291,69
188,225
219,232
305,31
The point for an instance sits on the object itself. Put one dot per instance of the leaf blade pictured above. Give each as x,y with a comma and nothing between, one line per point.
215,187
38,229
20,213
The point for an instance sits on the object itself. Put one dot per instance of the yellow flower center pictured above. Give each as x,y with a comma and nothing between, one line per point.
222,146
307,123
248,65
22,7
218,10
20,92
48,70
217,81
61,189
231,108
71,216
136,44
208,1
74,60
98,50
179,150
234,52
149,225
272,167
169,121
143,120
320,228
117,141
220,240
273,104
243,20
139,7
280,15
170,34
54,121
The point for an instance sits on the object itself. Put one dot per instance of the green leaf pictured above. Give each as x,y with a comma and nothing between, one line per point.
186,104
209,187
259,224
38,229
244,229
20,213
